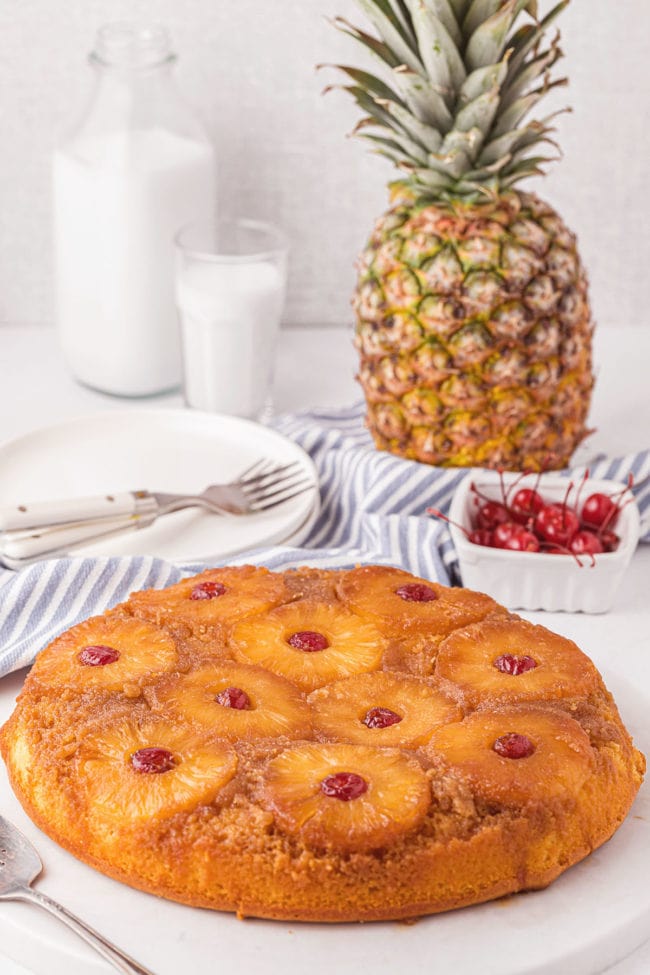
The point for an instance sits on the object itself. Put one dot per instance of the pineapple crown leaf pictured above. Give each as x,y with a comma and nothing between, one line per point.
423,100
375,46
494,167
417,154
481,10
433,182
470,142
422,134
488,42
479,113
443,10
453,163
459,8
527,37
515,113
460,79
397,148
390,25
511,141
364,80
483,79
440,56
538,66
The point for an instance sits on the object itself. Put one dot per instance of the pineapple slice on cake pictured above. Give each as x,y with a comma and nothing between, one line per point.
235,701
109,652
216,596
472,315
309,643
151,770
346,797
397,602
515,755
381,709
499,661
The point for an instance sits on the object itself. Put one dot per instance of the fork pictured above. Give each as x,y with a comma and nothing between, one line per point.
20,865
45,529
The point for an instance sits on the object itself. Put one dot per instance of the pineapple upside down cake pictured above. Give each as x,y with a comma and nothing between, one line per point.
320,745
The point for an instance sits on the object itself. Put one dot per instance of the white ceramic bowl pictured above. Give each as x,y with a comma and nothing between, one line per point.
539,580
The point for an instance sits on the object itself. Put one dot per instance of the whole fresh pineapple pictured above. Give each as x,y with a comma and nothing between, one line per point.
473,321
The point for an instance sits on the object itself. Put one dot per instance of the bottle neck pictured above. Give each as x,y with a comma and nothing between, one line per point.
132,50
134,91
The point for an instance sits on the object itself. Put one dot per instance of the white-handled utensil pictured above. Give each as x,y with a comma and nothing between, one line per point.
262,486
48,529
42,514
18,548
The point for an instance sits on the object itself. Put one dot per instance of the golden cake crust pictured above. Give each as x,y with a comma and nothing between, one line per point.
320,745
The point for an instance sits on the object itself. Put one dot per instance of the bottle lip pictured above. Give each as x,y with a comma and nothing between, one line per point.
133,46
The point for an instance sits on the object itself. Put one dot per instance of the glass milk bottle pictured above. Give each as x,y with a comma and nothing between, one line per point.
137,167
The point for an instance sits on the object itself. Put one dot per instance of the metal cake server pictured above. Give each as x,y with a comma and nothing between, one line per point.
20,865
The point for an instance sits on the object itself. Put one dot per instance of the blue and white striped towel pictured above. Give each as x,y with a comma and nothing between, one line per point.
372,511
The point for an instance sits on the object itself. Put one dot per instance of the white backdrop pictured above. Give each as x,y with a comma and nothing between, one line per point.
248,66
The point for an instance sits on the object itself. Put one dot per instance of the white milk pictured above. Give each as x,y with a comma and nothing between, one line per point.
119,198
230,315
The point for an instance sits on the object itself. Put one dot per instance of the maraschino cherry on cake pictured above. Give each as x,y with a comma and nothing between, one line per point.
320,745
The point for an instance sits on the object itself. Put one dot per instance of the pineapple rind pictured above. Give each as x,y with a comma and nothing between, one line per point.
502,324
492,276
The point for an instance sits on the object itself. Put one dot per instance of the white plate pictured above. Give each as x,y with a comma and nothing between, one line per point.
593,915
159,450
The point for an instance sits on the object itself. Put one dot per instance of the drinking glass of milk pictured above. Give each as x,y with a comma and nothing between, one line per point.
137,166
230,287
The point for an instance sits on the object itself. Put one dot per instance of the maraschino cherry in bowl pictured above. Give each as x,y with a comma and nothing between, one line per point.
532,543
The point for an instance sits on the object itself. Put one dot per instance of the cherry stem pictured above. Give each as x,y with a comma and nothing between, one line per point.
566,551
616,499
546,546
478,494
565,502
439,514
506,492
515,483
504,496
585,478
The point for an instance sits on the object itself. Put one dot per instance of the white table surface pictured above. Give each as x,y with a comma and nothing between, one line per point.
316,368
